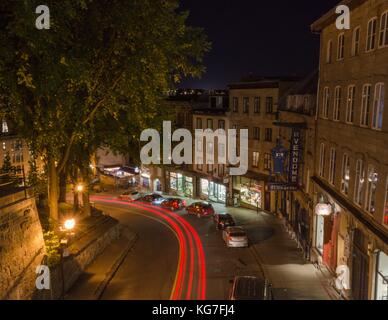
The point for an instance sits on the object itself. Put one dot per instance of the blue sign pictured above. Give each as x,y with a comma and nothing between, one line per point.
279,156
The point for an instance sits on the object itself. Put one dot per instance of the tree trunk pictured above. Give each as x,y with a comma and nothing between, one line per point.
53,190
62,186
85,194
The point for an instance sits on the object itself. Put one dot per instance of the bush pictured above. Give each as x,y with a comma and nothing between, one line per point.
52,244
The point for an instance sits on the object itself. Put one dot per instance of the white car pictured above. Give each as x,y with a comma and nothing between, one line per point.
130,196
235,237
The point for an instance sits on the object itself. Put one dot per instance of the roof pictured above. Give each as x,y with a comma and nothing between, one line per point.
253,82
330,16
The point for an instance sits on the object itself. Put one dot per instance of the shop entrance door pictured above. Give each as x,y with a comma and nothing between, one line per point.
267,201
360,272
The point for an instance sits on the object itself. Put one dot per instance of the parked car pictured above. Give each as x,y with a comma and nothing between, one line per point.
154,199
173,204
235,237
223,220
130,195
200,209
250,288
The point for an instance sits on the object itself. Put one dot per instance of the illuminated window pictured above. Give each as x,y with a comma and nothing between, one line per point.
360,182
267,161
4,127
210,124
255,159
383,37
371,35
371,190
356,41
199,123
341,47
378,106
345,174
337,104
350,104
365,104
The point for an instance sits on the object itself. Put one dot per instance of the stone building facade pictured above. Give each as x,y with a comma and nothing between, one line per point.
351,163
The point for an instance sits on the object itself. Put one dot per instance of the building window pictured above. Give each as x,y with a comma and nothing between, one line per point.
371,190
371,35
221,124
4,127
341,46
383,37
256,133
199,123
329,51
257,105
359,183
337,104
268,134
246,105
365,104
386,205
221,170
322,156
350,104
356,41
378,106
199,167
235,104
326,103
332,165
210,168
255,159
210,124
345,174
269,105
267,161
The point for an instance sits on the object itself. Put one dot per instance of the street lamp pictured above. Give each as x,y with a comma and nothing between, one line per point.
323,208
69,224
80,188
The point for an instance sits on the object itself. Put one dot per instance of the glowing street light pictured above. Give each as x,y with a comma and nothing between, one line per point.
69,224
80,188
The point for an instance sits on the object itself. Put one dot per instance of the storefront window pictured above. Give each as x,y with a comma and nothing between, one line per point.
179,182
251,194
204,186
173,181
382,277
189,187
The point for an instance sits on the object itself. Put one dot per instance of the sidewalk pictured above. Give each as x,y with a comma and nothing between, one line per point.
96,277
282,262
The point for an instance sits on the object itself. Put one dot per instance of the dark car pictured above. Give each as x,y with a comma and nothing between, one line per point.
200,209
173,204
250,288
223,220
151,198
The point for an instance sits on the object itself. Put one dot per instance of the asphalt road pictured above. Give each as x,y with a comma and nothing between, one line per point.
176,256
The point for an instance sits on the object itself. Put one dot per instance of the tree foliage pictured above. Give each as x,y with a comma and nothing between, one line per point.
102,67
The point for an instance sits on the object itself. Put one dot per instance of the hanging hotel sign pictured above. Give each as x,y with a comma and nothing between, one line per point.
279,156
279,186
295,155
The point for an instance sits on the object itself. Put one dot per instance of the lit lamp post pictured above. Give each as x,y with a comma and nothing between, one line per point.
323,208
68,227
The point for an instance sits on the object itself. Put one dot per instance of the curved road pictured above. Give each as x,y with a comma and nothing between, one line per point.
168,260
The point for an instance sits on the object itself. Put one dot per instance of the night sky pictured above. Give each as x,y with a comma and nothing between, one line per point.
257,37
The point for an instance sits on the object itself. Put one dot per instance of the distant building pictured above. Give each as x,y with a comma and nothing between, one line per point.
350,178
253,105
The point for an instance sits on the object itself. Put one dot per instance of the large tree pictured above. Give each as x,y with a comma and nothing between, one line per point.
100,60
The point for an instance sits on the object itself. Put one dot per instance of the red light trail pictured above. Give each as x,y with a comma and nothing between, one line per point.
191,251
